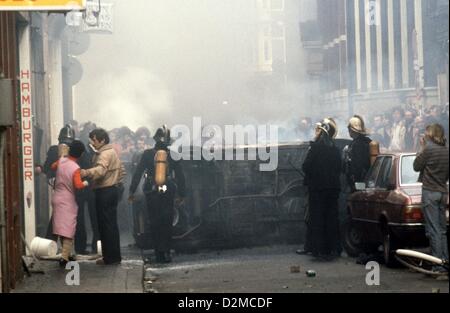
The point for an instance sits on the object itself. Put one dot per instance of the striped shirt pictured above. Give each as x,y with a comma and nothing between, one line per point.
432,163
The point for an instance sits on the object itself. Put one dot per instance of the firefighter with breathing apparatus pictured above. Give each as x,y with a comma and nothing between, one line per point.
164,185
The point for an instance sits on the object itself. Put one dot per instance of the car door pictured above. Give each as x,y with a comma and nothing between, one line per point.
377,201
373,191
361,201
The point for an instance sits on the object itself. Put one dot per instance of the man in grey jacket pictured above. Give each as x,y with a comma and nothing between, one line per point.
432,163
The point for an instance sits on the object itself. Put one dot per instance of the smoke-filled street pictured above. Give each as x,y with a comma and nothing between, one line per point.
274,270
264,270
224,146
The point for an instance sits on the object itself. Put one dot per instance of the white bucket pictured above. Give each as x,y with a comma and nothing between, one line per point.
43,247
99,247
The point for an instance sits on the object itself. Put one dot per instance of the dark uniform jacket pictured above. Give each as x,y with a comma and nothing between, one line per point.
52,156
322,167
358,162
147,165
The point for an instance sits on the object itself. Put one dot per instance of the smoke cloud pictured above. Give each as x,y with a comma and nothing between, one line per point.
170,60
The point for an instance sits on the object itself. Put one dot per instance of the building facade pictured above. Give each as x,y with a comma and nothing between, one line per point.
382,53
33,80
10,178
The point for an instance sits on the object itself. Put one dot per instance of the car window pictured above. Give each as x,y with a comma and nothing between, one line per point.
409,176
372,175
385,173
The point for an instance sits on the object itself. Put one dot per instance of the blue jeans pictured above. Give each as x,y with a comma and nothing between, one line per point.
434,205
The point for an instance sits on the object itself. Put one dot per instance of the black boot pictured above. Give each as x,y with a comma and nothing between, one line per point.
63,263
302,252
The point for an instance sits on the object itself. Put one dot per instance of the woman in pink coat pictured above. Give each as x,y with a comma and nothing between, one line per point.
65,208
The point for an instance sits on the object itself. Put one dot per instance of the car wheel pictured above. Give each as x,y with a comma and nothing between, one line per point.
353,238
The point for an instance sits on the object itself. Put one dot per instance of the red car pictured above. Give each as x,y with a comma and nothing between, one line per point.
386,209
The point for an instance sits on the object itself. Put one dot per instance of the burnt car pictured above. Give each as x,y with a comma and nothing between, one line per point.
232,204
386,209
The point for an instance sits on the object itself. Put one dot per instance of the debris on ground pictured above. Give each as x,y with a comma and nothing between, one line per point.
311,273
295,269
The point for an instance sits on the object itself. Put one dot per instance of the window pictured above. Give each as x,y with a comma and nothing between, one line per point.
385,173
408,175
372,175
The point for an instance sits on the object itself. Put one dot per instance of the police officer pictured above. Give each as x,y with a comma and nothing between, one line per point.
164,185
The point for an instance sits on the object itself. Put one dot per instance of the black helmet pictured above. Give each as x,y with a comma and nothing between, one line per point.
162,135
66,135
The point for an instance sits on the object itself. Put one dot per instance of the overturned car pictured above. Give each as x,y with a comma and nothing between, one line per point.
233,204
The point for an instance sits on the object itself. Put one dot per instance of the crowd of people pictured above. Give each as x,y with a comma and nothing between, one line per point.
109,156
125,142
402,128
89,167
399,129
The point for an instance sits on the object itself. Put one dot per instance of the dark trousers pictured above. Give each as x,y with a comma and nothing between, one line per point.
307,246
106,201
86,197
324,222
160,213
80,233
49,235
